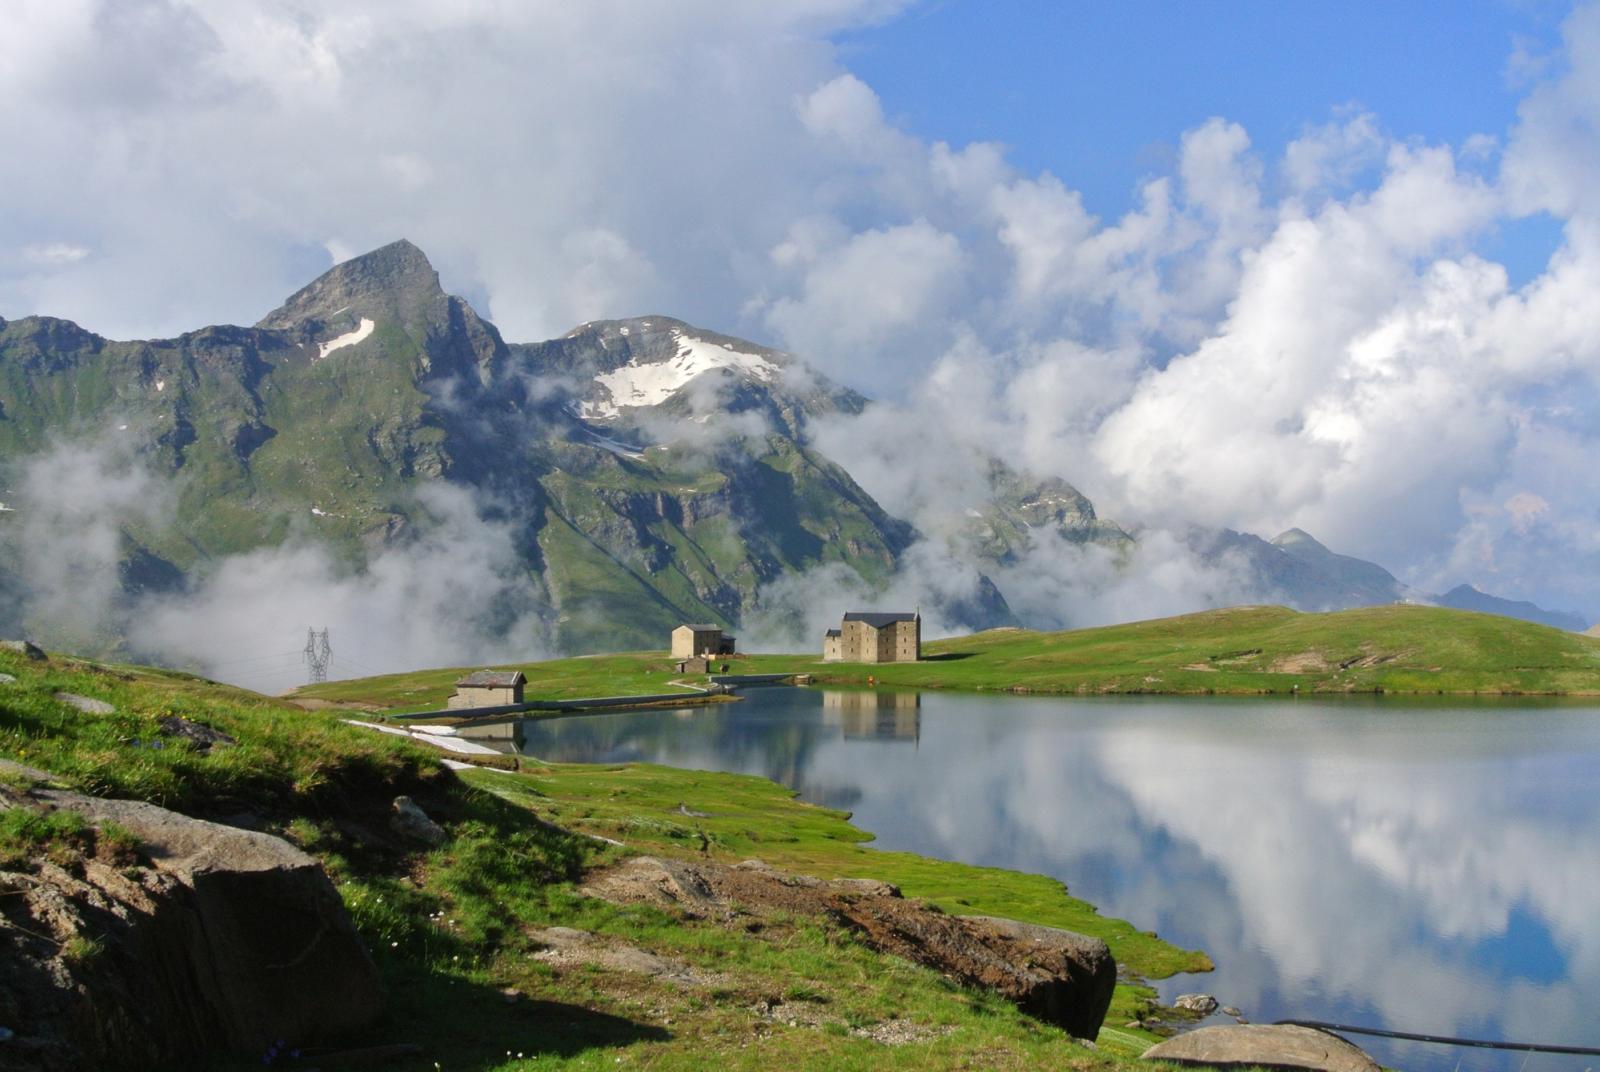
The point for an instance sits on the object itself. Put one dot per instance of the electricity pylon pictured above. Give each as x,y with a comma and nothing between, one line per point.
318,652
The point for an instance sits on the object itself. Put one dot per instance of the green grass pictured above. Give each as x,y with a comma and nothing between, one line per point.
747,816
27,835
450,928
1391,649
560,679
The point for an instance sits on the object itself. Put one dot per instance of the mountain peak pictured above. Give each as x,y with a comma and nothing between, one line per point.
392,280
1297,540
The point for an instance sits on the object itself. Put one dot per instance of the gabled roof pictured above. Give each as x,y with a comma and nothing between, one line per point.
832,632
877,620
492,679
700,628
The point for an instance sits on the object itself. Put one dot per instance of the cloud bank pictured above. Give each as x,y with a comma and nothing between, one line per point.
457,593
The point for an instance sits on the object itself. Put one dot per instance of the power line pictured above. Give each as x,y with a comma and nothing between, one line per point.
1538,1047
345,660
259,658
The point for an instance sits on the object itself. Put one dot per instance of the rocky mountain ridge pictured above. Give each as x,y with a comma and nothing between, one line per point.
328,419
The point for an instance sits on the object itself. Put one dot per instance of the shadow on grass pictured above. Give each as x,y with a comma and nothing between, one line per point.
469,1027
948,657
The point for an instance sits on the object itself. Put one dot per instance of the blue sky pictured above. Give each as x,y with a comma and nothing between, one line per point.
1098,93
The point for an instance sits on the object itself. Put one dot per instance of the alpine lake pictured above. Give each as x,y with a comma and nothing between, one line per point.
1419,866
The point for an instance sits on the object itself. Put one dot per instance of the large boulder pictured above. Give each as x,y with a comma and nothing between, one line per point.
1080,972
222,939
1265,1046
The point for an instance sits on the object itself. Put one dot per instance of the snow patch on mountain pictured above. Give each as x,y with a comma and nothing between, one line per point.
651,383
616,447
349,338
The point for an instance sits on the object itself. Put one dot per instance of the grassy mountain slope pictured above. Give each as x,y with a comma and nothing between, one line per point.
450,928
1395,648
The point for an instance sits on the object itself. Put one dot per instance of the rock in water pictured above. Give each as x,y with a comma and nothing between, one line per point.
230,940
1204,1004
1266,1045
410,821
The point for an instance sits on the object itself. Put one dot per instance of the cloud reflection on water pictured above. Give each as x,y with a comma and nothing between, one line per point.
1420,867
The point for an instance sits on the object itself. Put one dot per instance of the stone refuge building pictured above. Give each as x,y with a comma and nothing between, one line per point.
865,637
693,641
489,688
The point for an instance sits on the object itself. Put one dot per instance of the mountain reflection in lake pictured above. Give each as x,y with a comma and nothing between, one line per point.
1417,866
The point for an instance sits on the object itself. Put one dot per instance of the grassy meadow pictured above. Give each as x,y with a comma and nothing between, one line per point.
1401,648
450,929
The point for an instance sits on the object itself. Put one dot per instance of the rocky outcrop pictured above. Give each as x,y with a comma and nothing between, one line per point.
87,704
1264,1046
24,647
412,823
1060,977
218,939
565,947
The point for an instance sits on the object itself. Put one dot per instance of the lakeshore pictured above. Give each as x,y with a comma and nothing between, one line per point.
454,929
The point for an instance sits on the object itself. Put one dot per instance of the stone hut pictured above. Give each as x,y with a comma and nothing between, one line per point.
489,688
874,637
692,641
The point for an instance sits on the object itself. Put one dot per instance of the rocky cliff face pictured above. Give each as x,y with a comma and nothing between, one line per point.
1023,510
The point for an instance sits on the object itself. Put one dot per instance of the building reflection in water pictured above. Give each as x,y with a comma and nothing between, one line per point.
505,737
882,716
